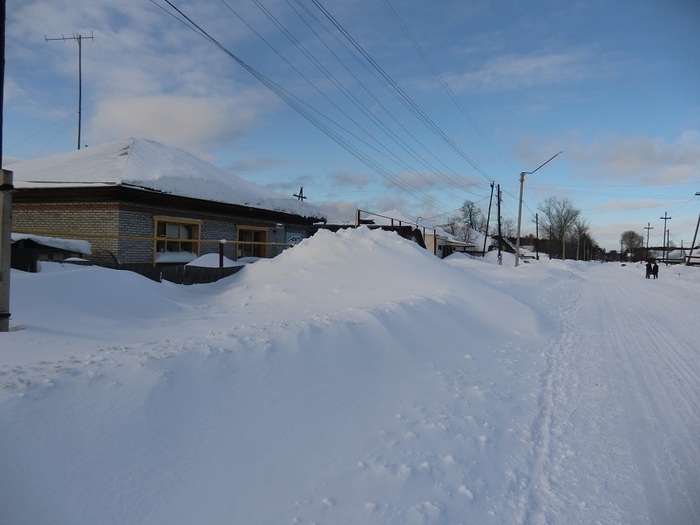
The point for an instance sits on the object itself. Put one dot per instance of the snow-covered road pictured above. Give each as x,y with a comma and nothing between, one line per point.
424,392
616,439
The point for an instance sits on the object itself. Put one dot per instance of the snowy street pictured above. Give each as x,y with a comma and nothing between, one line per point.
453,391
615,434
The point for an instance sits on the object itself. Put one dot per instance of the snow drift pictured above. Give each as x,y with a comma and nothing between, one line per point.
355,378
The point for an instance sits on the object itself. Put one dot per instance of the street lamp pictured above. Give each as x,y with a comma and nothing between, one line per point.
520,205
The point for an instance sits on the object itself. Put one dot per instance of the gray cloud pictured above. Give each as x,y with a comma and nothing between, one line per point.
646,159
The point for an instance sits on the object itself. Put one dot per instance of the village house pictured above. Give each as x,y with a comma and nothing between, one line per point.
139,202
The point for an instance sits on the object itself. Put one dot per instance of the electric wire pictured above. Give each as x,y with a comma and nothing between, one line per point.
309,113
387,153
323,122
403,96
445,86
376,100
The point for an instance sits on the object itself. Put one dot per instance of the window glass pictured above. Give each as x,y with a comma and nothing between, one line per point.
252,242
174,236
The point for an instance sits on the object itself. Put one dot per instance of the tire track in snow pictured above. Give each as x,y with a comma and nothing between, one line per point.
660,384
615,438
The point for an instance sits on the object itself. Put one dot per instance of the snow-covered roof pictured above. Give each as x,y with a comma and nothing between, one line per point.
70,245
145,164
397,215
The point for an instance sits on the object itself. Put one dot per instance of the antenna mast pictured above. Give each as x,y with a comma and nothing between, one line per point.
78,38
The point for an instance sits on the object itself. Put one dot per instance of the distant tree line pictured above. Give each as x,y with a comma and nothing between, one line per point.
563,232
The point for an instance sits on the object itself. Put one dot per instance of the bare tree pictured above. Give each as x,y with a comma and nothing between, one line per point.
509,228
580,227
455,227
631,241
472,219
560,216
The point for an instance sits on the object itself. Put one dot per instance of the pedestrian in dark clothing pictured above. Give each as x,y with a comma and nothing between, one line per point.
649,269
655,271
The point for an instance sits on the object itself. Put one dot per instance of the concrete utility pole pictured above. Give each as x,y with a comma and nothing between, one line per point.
520,205
78,38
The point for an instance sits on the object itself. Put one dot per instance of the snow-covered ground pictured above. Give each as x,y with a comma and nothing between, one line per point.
354,379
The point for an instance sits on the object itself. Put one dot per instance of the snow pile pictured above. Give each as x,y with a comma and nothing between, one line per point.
355,378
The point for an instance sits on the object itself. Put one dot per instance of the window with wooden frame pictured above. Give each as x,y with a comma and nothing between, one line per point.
175,234
251,241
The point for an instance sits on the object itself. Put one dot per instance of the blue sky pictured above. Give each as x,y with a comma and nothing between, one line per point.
381,104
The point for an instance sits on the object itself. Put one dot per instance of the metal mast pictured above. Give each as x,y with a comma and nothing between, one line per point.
78,38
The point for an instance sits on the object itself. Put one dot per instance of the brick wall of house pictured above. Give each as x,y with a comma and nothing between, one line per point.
91,221
123,233
136,231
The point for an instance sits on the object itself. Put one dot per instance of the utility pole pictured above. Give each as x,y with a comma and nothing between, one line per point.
488,217
5,247
537,236
300,196
665,218
500,238
647,228
78,38
520,204
5,200
695,236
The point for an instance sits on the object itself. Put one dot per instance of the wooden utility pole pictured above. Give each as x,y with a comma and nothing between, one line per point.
500,237
488,217
300,196
78,38
695,236
5,200
5,247
665,246
537,236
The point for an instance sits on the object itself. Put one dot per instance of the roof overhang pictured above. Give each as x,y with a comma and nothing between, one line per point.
142,196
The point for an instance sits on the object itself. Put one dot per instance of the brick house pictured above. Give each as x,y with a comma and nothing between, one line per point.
140,202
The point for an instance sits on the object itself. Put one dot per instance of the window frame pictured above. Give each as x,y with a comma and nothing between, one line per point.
192,242
246,248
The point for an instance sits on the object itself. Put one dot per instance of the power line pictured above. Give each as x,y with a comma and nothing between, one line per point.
376,100
350,141
312,115
385,152
401,94
445,86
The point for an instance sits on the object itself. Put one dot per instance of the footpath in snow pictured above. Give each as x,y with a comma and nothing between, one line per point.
358,379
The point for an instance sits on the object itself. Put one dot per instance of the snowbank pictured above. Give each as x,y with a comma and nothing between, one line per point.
355,378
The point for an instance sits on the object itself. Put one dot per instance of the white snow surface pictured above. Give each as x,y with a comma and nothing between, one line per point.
353,379
148,165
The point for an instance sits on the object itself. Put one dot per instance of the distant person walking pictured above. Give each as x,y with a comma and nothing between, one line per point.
649,269
655,270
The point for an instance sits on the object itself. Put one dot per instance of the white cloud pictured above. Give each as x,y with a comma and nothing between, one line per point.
512,71
649,160
187,122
